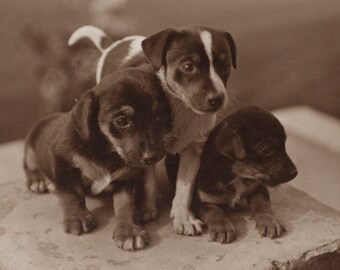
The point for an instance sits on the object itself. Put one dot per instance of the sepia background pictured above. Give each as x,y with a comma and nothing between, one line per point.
288,51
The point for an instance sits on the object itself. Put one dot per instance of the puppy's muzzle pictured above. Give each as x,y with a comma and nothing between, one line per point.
287,173
215,102
150,158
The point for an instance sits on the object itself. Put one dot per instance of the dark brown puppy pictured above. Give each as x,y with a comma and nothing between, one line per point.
244,154
114,131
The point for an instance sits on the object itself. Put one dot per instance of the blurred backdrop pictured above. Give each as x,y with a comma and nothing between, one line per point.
288,51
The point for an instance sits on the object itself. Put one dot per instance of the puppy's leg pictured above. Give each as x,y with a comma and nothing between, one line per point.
149,211
220,227
77,219
35,180
69,189
183,219
127,234
266,222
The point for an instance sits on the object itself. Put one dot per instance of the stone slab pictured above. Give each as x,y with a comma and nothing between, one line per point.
31,235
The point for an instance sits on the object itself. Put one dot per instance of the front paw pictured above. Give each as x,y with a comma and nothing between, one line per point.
40,184
149,212
130,236
268,225
222,231
79,223
185,223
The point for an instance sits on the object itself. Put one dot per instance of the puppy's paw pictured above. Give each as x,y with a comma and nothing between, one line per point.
40,184
80,223
268,225
130,236
222,231
185,223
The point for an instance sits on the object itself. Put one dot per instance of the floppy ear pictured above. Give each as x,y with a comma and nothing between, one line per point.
154,47
229,143
82,114
232,46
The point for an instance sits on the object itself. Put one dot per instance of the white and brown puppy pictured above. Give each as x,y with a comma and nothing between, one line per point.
104,143
193,63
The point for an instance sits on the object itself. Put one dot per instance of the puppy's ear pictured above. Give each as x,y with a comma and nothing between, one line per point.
232,46
229,143
154,47
82,114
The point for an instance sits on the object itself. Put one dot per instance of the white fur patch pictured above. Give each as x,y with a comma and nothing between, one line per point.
101,177
135,48
216,80
190,160
88,31
102,58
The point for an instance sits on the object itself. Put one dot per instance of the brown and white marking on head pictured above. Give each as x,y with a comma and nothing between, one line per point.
105,128
206,38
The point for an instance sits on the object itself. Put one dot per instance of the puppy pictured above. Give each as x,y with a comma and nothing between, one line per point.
111,134
193,63
243,155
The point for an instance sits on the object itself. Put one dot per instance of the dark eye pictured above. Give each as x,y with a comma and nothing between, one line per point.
266,151
188,67
122,121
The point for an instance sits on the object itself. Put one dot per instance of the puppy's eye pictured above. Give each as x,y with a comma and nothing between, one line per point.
266,151
122,121
188,67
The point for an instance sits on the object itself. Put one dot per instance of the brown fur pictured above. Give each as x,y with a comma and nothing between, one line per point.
111,134
244,154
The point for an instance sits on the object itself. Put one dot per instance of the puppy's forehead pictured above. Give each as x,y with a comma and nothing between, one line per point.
195,40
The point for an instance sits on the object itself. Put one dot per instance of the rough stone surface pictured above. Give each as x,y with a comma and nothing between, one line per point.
31,234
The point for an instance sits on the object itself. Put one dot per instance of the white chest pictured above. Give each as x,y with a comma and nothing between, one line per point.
100,177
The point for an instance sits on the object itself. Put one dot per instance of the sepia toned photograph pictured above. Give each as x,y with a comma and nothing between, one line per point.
167,134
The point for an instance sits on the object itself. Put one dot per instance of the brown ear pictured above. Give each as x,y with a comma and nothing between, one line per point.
154,47
82,114
232,46
229,143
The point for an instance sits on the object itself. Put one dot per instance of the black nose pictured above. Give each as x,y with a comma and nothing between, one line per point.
215,102
150,160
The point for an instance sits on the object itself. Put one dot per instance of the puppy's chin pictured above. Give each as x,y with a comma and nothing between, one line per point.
140,162
200,109
277,181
